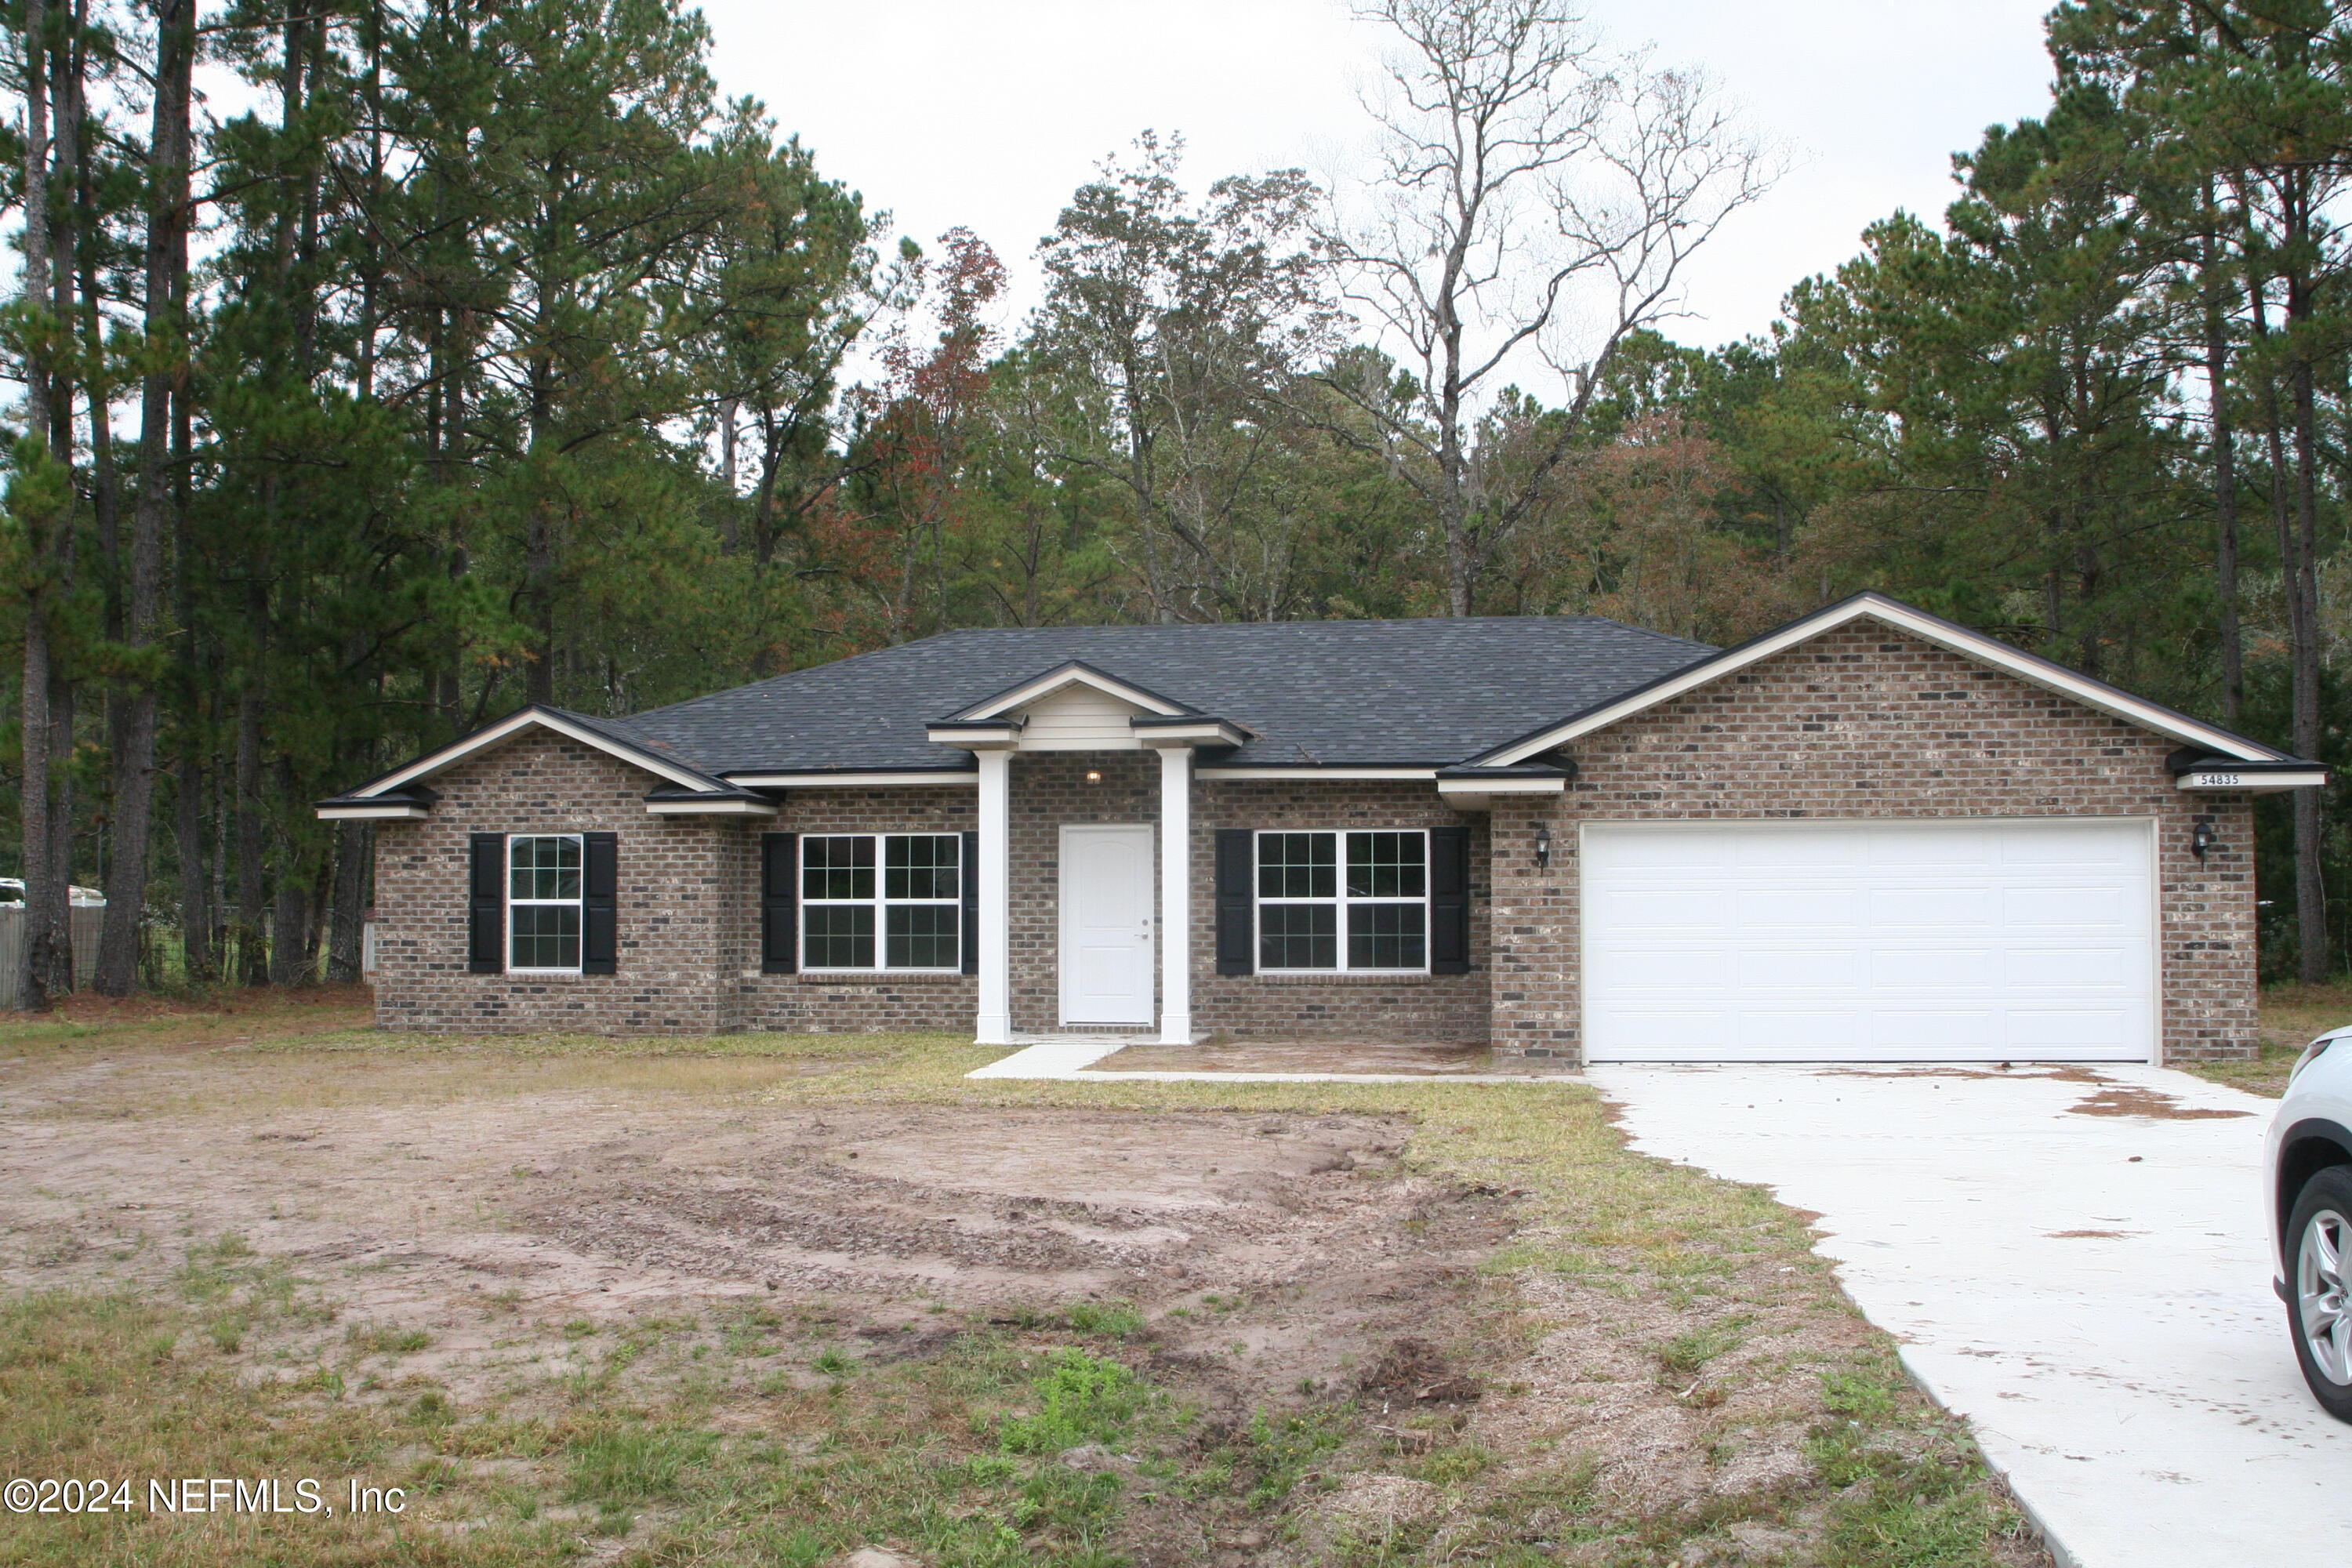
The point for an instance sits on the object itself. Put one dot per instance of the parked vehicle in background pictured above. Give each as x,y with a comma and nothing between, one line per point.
2311,1216
12,895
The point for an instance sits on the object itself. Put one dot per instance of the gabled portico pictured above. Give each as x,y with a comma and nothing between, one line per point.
1074,708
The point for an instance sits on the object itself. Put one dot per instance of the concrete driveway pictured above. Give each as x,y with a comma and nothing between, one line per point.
2075,1260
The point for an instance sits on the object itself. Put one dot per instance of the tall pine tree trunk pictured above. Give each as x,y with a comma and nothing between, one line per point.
252,843
2314,950
2225,484
354,846
195,892
45,900
135,758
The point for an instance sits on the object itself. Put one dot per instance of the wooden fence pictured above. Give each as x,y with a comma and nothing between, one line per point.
87,921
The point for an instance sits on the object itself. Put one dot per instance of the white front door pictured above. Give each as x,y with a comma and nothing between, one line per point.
1951,940
1107,924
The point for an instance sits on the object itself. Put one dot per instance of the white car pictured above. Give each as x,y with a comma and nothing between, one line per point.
2311,1216
12,895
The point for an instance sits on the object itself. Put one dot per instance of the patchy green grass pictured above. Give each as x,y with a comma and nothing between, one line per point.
748,1437
953,1458
218,1016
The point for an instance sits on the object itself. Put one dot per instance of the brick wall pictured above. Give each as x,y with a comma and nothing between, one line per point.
1404,1007
1866,721
845,1003
678,894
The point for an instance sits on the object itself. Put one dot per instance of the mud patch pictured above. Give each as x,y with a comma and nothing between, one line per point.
1272,1251
2130,1099
1414,1371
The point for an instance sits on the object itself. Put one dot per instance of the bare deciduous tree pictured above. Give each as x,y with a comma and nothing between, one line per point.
1541,199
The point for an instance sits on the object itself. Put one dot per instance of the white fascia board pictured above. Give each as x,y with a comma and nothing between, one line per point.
1957,639
373,813
909,779
993,738
1208,732
2218,780
483,740
1502,786
1244,774
721,807
1046,685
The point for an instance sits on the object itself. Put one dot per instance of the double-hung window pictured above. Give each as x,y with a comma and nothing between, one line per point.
882,900
1343,901
543,902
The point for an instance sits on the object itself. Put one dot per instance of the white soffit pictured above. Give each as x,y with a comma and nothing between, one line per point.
2267,782
1207,772
373,813
724,806
910,779
1503,786
1927,629
483,740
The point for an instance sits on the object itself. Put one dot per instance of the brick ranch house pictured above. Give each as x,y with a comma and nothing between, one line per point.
1870,835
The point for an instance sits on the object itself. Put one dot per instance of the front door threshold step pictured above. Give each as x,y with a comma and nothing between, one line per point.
1072,1058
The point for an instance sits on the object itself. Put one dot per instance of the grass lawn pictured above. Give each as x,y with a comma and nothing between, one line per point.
775,1299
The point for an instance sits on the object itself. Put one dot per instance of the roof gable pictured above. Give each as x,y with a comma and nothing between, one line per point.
572,726
1056,682
1949,635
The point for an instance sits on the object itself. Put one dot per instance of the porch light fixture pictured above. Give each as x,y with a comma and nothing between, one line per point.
1543,846
1093,777
2202,840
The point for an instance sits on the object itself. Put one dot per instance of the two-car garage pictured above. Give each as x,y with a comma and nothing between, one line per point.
1927,940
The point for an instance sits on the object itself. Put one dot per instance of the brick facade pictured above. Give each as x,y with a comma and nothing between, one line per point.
845,1004
1866,721
1450,1007
679,899
1863,721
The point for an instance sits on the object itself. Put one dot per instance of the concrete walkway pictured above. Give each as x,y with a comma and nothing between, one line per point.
2076,1262
1070,1058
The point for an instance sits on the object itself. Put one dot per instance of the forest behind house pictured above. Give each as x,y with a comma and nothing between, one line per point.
490,356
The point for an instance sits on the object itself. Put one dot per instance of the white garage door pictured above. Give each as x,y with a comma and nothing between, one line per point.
1982,941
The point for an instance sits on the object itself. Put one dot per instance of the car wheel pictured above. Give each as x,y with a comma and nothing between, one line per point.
2318,1270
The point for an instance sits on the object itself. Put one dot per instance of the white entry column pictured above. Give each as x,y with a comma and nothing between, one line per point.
1175,896
994,903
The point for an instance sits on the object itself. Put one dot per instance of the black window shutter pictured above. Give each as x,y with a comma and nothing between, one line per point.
780,908
1236,871
1449,901
971,886
600,903
485,945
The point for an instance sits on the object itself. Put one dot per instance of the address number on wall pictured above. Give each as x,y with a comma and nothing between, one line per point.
2213,781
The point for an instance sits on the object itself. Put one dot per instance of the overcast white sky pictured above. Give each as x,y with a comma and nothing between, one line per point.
990,113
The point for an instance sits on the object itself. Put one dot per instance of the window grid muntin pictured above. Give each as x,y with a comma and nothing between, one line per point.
543,894
1344,860
863,931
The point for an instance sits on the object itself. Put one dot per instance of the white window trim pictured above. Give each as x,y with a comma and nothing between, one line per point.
1340,900
879,904
580,902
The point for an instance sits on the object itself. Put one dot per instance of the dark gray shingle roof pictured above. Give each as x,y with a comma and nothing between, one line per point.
1421,693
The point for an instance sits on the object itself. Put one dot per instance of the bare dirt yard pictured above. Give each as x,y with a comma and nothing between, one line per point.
783,1299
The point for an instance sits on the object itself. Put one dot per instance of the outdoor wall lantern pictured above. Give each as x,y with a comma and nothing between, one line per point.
2202,840
1543,846
1093,778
